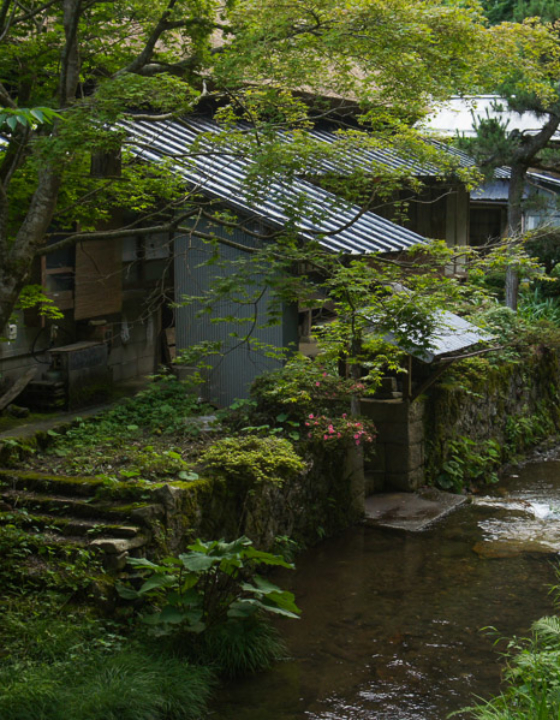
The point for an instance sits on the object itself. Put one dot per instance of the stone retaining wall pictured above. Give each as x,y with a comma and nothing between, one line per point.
325,499
516,405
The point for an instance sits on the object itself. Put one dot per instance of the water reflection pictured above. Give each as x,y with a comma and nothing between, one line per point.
392,623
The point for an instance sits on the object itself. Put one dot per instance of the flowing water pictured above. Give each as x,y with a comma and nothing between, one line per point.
393,624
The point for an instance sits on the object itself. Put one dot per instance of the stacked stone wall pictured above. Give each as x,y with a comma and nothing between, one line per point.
515,405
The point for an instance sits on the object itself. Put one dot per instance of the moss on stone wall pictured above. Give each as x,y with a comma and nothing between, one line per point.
513,406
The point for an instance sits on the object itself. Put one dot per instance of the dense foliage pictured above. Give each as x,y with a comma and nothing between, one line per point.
532,678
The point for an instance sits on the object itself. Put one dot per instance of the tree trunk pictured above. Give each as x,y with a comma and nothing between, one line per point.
18,260
514,229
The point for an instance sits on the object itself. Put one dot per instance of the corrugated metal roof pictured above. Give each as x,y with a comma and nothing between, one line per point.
451,335
497,190
336,224
393,160
493,191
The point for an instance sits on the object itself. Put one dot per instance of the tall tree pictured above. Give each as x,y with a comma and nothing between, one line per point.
72,69
532,86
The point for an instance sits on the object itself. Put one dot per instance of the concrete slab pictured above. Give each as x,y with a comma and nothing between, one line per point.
411,512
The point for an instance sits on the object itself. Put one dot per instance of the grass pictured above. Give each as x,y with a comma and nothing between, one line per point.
535,306
128,684
532,678
64,663
237,648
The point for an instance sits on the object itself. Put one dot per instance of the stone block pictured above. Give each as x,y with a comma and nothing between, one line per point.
392,432
416,478
397,481
397,459
384,410
116,546
115,563
416,433
416,411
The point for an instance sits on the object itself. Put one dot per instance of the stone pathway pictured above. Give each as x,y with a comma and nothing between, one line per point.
29,429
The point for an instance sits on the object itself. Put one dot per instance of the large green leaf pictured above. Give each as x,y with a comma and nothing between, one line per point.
126,592
242,609
156,582
197,562
144,562
275,609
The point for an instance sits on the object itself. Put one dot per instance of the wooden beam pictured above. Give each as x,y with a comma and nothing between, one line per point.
17,388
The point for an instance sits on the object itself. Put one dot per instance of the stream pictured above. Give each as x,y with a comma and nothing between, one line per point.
398,626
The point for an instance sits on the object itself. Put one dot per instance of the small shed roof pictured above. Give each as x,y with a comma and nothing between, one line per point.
452,334
336,224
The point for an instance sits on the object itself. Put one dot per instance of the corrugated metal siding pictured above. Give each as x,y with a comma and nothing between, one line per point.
233,371
453,333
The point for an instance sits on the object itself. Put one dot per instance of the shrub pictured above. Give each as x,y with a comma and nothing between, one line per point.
254,459
533,678
213,583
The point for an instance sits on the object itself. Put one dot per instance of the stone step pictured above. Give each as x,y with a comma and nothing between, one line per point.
69,485
64,506
114,544
115,520
69,526
136,513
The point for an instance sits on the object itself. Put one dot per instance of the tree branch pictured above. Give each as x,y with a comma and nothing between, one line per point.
69,64
131,230
33,13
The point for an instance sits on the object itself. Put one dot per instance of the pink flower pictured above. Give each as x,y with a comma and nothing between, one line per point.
357,436
338,435
306,424
324,374
311,417
357,442
325,437
344,415
317,384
